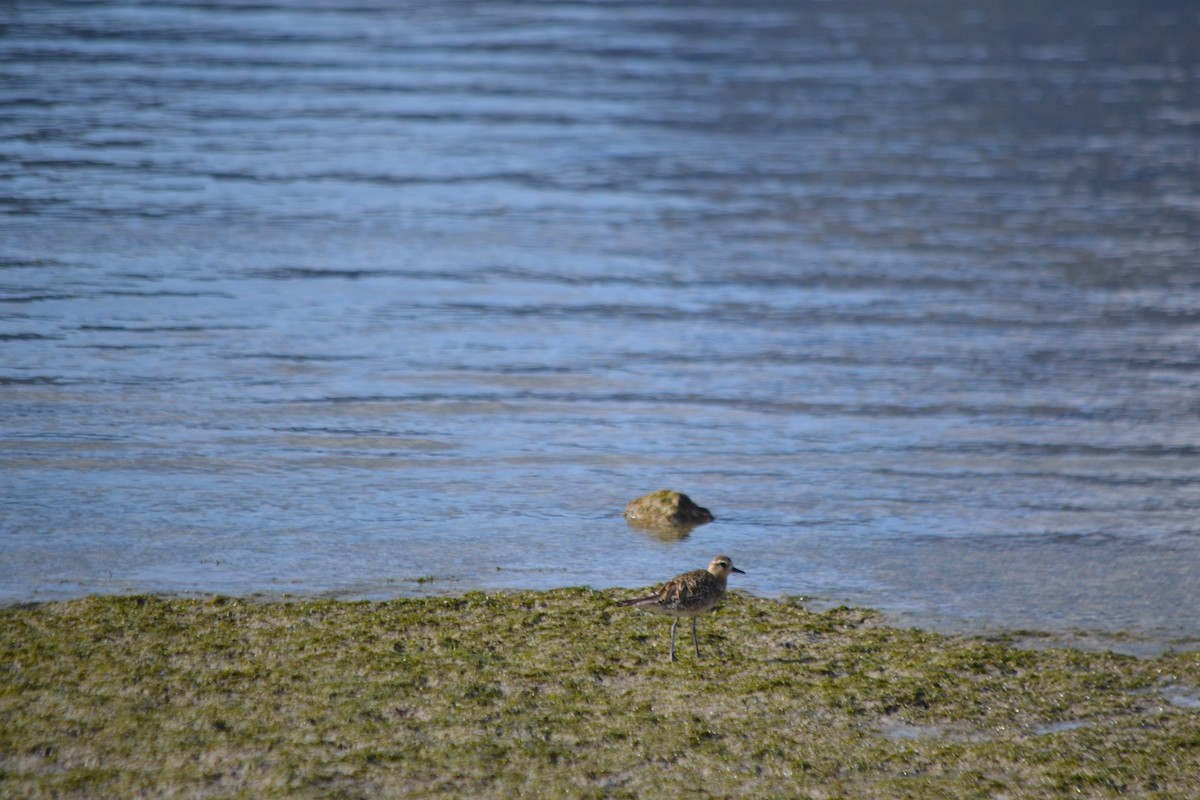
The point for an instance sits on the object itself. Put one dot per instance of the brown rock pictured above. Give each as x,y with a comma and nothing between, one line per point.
666,509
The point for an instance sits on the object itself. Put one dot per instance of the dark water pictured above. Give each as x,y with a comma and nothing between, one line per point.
371,299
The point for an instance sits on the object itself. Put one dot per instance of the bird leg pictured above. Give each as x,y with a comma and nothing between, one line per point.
673,626
695,643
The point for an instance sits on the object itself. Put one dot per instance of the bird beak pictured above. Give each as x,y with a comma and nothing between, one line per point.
739,571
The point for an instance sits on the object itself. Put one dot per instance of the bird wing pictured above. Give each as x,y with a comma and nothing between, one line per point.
679,591
683,589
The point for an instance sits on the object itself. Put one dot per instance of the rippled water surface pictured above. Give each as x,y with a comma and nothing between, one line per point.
381,298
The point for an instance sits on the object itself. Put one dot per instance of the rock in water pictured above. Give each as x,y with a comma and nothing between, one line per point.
666,509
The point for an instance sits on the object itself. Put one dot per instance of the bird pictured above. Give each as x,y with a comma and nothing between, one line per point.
688,595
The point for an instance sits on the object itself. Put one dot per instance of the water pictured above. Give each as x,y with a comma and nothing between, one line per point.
378,299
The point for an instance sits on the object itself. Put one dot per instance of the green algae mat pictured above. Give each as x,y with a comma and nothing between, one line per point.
564,694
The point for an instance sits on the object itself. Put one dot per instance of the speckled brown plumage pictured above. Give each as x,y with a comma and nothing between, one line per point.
688,595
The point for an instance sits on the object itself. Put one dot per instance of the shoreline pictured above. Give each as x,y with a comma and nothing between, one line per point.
1138,643
563,692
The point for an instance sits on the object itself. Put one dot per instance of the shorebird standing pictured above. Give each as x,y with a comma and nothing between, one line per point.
689,595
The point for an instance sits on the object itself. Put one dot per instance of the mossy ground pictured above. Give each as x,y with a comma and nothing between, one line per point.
561,693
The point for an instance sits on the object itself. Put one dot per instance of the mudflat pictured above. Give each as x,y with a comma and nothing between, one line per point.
564,693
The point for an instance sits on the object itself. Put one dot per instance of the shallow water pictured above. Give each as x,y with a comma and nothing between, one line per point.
387,298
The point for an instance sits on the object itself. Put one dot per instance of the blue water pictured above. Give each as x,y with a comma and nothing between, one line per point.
379,299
